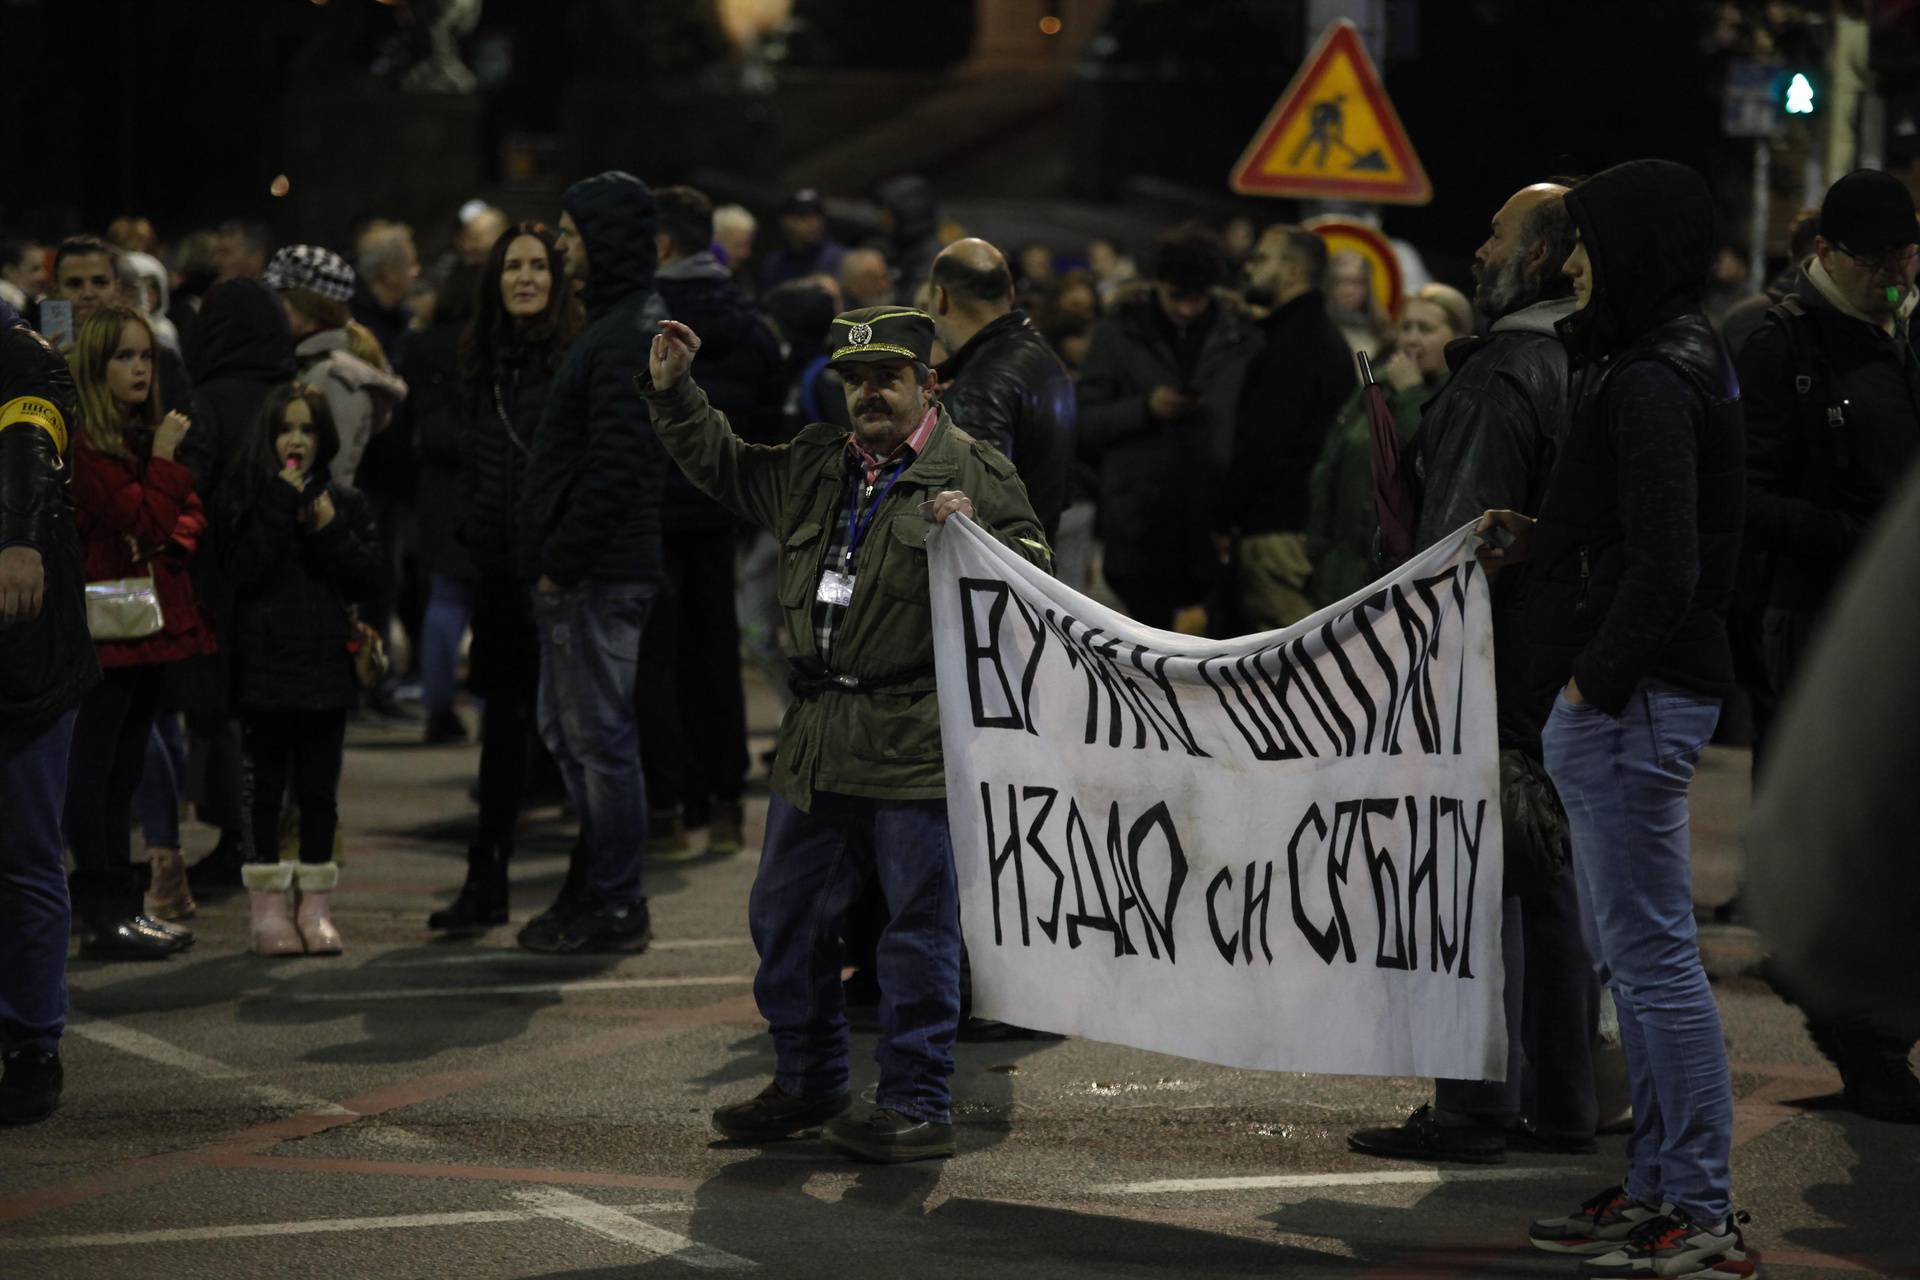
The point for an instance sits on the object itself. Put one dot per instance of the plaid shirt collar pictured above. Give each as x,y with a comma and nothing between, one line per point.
907,450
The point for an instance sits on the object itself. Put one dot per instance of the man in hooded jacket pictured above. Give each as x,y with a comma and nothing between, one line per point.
591,550
1632,571
239,349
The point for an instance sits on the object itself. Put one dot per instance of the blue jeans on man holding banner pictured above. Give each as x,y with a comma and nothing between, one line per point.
1624,783
812,867
589,646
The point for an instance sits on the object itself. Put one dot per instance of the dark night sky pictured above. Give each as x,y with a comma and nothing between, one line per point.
179,108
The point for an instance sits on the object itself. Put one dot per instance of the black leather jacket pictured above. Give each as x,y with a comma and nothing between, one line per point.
47,663
1488,439
1007,388
1489,435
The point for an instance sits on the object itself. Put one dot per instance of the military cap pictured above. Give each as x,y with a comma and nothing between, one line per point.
874,334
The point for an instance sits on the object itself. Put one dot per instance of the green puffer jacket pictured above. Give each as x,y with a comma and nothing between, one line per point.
883,743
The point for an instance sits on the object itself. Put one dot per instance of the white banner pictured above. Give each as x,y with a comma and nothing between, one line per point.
1281,851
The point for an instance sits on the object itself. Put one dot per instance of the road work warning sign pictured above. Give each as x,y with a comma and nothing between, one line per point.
1334,134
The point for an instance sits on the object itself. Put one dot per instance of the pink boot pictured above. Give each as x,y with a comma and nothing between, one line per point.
314,917
271,885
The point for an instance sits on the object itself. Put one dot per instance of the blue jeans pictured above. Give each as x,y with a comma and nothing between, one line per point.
589,645
1552,1007
164,784
449,605
813,866
34,915
1624,783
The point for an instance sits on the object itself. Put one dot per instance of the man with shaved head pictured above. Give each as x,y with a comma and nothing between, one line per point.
1488,439
1004,384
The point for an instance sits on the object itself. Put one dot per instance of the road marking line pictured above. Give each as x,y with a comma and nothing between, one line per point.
496,955
515,989
312,1226
154,1049
605,1220
1383,1177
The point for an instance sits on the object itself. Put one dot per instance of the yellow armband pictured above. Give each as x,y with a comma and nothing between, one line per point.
34,412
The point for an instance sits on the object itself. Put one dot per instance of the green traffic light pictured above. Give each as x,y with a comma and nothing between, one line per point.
1799,97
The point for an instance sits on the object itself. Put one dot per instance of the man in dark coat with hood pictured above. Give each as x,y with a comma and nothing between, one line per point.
693,711
47,664
239,349
1633,565
591,550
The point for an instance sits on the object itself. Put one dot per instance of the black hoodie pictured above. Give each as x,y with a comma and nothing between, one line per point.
1640,527
238,350
591,507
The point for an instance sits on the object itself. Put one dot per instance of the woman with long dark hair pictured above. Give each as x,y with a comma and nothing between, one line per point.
524,318
138,515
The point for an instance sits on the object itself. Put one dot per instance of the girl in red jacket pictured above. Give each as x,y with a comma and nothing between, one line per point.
137,514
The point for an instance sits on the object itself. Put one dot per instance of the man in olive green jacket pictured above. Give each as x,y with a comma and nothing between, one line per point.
859,784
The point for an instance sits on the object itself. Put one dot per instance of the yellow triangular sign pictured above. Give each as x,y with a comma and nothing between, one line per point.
1334,134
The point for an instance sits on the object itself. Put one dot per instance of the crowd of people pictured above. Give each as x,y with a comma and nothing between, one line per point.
610,458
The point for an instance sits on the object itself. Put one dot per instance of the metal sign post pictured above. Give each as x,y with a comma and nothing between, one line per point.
1749,112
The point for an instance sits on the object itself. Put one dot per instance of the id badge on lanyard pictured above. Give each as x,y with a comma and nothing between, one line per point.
836,585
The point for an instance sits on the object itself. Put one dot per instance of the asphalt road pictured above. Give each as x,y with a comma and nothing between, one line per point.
435,1109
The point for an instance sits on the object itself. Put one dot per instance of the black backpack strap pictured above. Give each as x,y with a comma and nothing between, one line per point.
1823,420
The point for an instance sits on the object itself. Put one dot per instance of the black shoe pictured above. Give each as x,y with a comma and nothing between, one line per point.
1881,1085
571,900
1423,1137
123,940
598,929
30,1085
774,1114
442,728
182,939
482,900
887,1137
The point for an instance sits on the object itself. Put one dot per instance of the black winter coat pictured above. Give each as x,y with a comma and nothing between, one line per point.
1621,590
739,367
1822,467
1007,388
293,586
591,508
434,415
1160,483
1297,383
47,662
1488,440
493,473
238,351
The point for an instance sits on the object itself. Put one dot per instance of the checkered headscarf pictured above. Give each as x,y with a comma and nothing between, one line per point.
310,267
